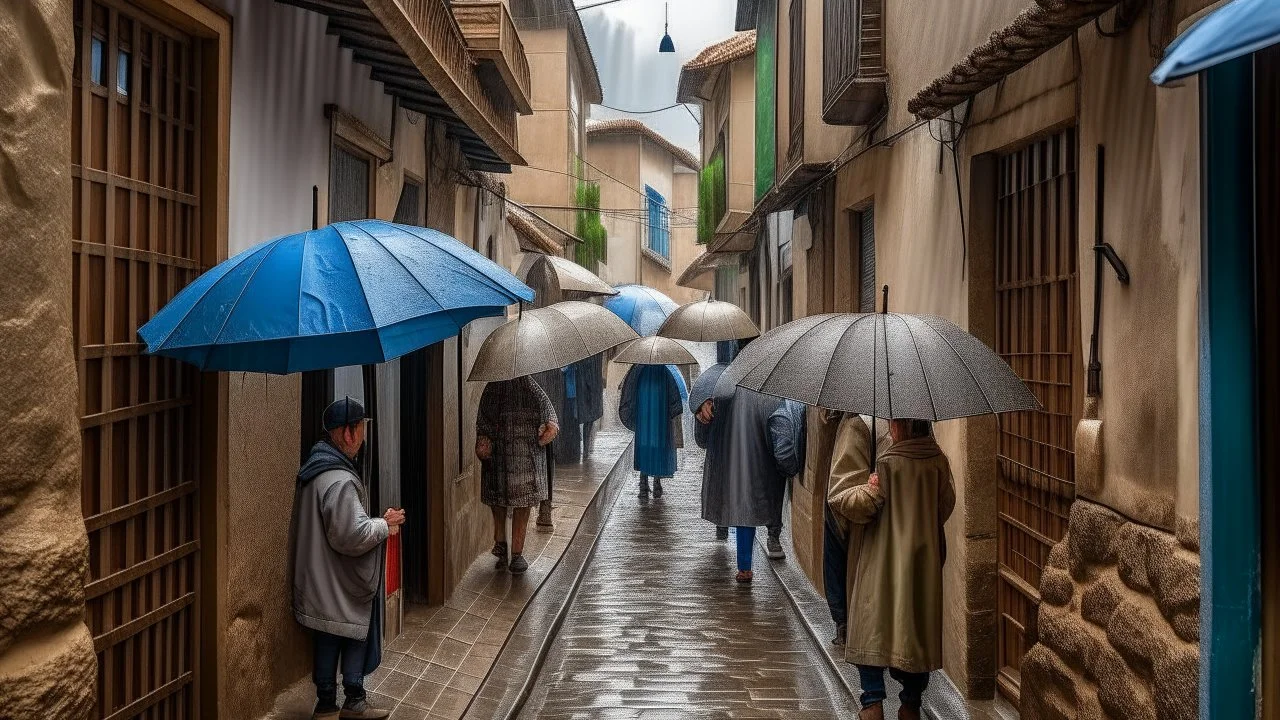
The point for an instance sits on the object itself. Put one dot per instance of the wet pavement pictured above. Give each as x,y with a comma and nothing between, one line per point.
659,628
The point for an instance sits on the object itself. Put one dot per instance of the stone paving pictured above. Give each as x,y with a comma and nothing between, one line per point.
660,629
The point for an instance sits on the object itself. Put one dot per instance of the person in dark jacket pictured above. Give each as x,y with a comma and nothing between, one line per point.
338,571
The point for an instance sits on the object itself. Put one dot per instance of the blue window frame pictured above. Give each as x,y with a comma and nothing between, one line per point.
659,225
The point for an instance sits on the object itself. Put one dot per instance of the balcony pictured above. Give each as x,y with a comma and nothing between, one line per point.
416,50
491,36
854,79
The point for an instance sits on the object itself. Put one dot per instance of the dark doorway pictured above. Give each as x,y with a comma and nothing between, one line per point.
420,391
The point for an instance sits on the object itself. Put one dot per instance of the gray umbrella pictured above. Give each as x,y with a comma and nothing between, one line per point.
888,365
709,321
655,350
554,278
548,338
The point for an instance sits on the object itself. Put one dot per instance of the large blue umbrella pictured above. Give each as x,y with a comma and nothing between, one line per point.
352,293
1236,29
641,307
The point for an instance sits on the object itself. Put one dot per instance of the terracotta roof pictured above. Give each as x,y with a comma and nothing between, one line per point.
531,238
628,126
1035,30
704,66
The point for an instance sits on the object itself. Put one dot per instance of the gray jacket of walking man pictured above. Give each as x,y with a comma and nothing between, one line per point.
337,548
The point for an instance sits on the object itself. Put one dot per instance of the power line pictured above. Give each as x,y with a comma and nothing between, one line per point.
693,219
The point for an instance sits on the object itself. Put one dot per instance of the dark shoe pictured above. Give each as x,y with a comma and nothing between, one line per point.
722,533
325,712
906,712
842,631
773,548
360,710
644,486
872,712
657,487
499,551
744,576
518,564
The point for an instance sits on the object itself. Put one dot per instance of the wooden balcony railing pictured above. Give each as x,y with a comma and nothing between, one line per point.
854,77
491,35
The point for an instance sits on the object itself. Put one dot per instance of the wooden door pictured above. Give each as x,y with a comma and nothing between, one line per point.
136,241
1037,333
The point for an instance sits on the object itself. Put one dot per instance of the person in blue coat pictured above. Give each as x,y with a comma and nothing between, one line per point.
652,397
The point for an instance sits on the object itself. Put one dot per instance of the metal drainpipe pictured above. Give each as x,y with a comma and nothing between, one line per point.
1230,618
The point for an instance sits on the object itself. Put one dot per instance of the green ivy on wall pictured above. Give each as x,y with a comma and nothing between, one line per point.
711,198
587,225
766,94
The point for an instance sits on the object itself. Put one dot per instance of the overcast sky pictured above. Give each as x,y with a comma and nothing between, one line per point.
624,38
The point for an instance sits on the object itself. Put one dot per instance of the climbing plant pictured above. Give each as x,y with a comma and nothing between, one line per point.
711,198
587,225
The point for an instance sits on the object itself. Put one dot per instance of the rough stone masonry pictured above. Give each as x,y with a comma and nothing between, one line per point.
1119,623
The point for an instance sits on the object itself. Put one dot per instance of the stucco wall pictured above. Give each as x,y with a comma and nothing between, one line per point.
284,70
742,136
619,156
544,135
47,663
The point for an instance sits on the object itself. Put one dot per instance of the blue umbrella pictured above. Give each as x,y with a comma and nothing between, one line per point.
1233,30
641,307
352,293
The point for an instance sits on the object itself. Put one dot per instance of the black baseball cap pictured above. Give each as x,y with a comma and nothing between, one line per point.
343,413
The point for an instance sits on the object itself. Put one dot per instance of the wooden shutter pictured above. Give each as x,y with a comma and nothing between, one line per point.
136,241
409,207
1037,333
795,147
867,261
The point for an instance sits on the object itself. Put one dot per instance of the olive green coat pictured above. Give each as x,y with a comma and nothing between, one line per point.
895,593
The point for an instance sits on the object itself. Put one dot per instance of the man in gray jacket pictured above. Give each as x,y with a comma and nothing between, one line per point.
338,561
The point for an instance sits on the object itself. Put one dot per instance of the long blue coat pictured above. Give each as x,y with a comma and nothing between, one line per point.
651,398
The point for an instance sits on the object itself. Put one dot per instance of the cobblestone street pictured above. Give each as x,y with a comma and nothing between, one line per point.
660,629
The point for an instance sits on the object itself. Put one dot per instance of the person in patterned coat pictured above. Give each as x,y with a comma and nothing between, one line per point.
515,423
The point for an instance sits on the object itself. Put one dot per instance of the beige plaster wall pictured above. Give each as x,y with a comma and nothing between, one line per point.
47,663
544,135
619,156
742,136
684,236
1147,469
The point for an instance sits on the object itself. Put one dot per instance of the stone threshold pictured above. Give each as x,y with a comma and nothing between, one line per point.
942,701
434,669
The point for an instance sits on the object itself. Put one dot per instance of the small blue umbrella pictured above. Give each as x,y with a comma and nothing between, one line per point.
641,307
352,293
1236,29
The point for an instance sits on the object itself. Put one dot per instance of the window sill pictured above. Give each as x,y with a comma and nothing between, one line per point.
657,258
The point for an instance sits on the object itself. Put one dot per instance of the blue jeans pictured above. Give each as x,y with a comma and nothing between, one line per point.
746,537
913,685
329,650
835,568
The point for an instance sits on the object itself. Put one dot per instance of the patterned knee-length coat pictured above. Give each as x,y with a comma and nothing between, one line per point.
515,475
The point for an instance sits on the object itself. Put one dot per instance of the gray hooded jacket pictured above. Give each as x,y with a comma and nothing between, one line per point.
337,548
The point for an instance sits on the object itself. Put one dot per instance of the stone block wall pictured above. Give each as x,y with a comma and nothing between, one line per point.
1119,623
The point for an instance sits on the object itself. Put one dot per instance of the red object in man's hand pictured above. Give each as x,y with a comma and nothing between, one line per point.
706,412
874,480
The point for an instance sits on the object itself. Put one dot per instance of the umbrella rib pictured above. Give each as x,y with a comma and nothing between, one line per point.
412,230
927,387
785,353
245,287
183,319
965,365
404,267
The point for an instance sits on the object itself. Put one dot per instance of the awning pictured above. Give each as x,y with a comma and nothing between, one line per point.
1032,32
530,237
1234,30
703,264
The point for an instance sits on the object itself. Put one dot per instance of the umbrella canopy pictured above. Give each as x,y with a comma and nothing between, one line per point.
709,321
554,278
655,350
1234,30
548,338
352,293
641,307
887,365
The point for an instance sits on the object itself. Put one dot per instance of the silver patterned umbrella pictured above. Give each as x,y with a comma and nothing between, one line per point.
709,321
548,338
888,365
554,279
655,350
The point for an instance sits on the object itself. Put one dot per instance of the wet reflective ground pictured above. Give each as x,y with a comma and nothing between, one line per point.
659,628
